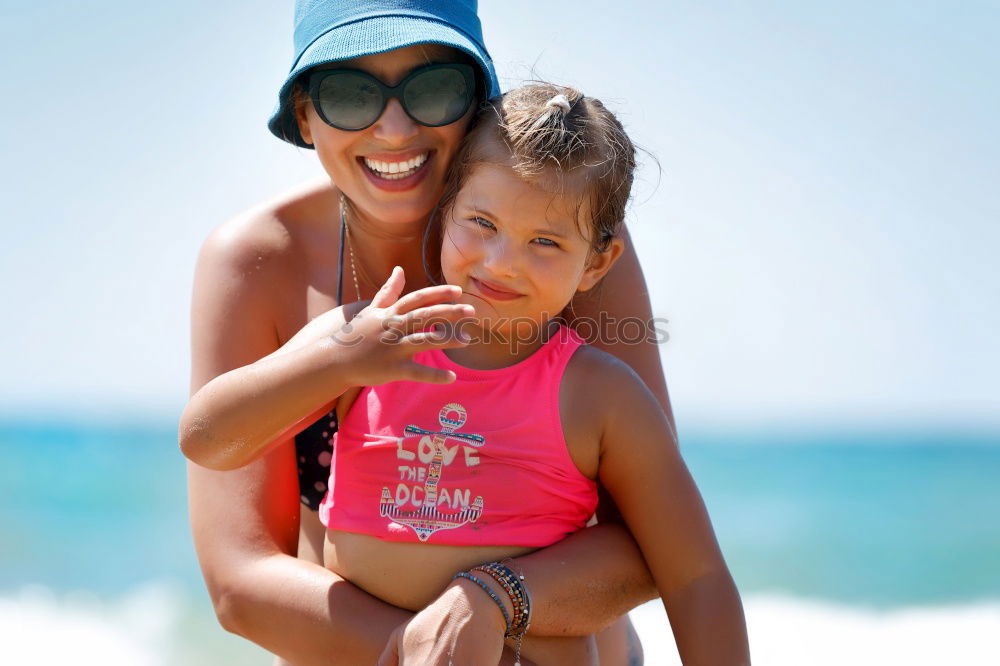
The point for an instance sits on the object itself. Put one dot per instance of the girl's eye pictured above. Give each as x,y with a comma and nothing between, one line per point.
546,242
486,224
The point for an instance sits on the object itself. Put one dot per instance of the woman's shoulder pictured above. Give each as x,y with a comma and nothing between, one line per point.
261,261
276,229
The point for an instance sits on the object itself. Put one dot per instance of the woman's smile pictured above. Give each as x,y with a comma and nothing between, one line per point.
394,170
397,172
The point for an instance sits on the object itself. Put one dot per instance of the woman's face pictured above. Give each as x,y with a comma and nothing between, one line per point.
394,144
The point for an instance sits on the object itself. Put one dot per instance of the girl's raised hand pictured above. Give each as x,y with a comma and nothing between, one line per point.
377,345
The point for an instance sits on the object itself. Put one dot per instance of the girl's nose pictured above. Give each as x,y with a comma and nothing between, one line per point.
394,127
500,257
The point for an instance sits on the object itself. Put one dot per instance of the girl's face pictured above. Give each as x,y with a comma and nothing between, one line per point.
518,252
357,161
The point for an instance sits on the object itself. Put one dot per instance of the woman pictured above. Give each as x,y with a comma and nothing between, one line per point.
265,274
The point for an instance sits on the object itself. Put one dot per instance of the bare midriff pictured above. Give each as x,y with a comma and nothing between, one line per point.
404,574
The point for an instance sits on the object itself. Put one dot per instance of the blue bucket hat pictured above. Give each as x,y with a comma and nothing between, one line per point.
331,30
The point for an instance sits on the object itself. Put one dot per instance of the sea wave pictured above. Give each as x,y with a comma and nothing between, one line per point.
788,631
158,624
43,628
155,624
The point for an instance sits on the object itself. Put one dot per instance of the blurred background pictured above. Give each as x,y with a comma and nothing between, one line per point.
821,233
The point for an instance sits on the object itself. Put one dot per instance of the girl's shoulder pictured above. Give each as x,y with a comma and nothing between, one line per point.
590,388
602,404
592,371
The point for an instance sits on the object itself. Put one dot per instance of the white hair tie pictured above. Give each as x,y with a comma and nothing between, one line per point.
559,100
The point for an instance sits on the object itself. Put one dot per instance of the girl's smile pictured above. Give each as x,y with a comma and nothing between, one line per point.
493,291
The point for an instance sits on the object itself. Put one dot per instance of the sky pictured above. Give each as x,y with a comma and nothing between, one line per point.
817,213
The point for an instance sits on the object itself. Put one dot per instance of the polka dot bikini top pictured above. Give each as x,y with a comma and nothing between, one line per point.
314,449
314,445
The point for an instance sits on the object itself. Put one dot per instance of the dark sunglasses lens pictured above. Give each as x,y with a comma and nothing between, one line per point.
437,96
349,100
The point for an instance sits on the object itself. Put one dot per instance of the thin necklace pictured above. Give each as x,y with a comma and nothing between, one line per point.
350,245
355,265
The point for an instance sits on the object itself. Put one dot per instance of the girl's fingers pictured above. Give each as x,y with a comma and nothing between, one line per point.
442,293
424,373
427,340
422,318
390,291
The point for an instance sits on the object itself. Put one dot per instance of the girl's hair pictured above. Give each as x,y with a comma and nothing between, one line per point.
556,136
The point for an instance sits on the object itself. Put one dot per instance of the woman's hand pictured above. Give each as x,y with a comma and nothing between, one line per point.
377,345
461,626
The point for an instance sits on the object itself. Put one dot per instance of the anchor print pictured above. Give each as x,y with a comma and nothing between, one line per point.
428,518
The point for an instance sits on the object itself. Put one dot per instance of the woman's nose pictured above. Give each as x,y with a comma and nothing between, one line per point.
394,127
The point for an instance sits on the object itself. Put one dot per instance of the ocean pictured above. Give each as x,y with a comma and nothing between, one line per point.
865,546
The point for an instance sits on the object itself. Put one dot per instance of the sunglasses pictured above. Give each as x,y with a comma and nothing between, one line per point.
352,100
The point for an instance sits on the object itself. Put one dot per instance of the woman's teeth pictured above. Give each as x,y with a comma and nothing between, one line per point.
395,170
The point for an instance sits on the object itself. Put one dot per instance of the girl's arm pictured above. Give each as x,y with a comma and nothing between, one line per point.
599,559
242,414
609,317
664,511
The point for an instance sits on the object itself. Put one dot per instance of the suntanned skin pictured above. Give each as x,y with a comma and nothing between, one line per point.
491,233
617,439
261,277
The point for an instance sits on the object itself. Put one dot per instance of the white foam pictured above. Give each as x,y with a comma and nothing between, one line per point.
37,627
792,632
147,627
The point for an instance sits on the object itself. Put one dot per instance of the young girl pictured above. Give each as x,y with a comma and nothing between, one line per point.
496,450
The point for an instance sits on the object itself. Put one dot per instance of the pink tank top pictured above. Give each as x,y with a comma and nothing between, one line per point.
479,462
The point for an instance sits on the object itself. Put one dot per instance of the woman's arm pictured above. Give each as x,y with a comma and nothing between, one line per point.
622,297
245,523
578,587
244,531
664,511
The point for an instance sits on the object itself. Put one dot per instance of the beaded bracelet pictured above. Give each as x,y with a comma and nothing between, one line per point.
493,595
527,594
513,584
